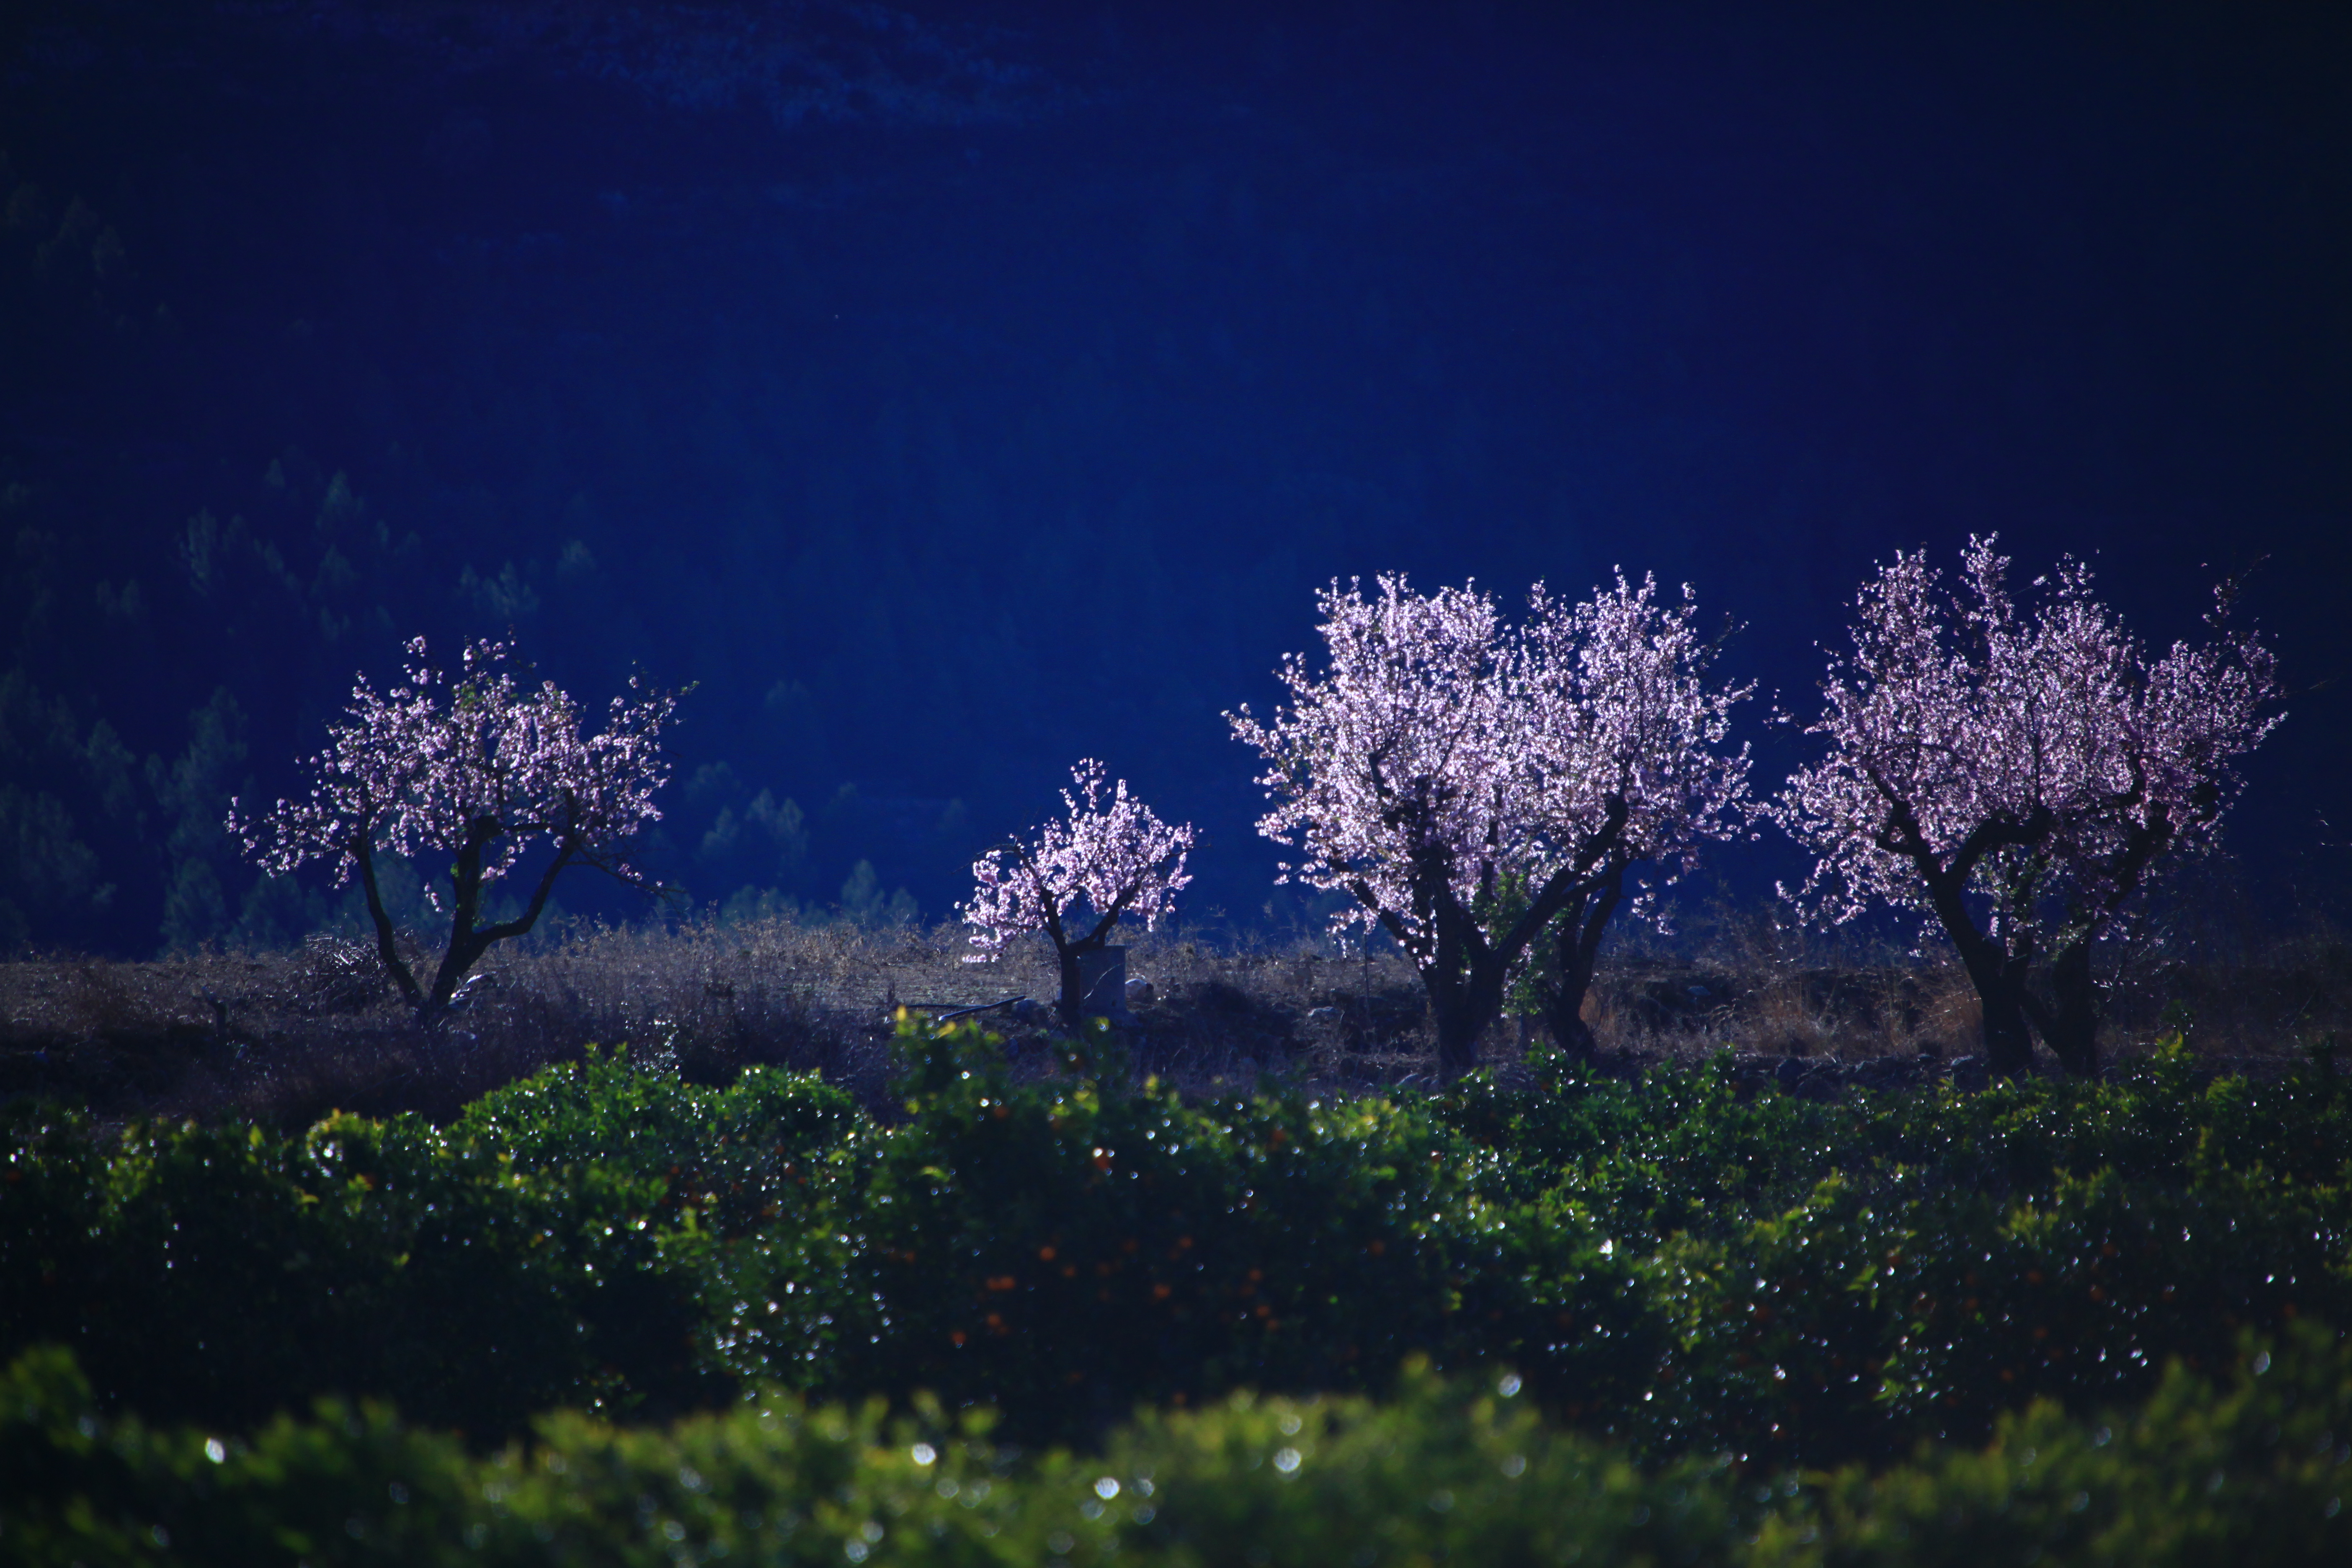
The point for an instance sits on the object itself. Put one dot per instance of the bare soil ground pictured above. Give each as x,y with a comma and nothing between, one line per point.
282,1038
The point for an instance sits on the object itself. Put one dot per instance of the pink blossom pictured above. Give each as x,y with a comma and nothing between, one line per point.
1441,758
1619,708
1110,858
2019,777
479,768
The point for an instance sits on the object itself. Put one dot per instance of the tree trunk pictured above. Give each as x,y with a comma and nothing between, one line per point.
2072,1028
466,944
1461,1004
2009,1044
467,939
1569,1031
1998,975
1998,980
1464,972
1465,977
386,948
1580,929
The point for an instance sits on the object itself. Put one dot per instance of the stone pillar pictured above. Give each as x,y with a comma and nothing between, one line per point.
1102,983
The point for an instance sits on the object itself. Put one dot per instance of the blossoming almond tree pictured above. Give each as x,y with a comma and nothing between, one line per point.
479,768
1442,763
1112,858
2021,777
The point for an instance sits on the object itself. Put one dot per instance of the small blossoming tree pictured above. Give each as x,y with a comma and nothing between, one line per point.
1474,787
1110,859
2019,776
479,768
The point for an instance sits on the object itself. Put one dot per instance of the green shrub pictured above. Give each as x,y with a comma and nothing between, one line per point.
740,1189
739,1158
1953,1255
1065,1249
557,1246
1450,1471
1683,1263
2251,1467
1693,1150
221,1274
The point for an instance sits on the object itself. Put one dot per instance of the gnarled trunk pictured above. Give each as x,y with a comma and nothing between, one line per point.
467,944
1463,1000
1464,972
1569,1029
2071,1028
2008,1043
2000,996
1997,973
467,941
1581,929
1468,973
386,948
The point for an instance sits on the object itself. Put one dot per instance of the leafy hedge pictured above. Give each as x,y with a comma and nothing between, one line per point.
2249,1467
1682,1264
535,1254
1906,1266
1064,1249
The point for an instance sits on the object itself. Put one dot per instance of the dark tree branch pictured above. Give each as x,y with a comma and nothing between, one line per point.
524,922
385,947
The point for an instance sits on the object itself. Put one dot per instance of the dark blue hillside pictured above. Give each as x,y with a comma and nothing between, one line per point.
956,390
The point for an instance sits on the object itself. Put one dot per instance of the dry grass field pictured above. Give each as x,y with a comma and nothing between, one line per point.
284,1037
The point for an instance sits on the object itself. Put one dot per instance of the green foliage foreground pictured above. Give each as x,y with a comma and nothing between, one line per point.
2250,1468
1695,1285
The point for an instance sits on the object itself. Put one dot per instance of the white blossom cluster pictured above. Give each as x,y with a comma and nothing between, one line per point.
1440,750
2040,759
481,762
1111,856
